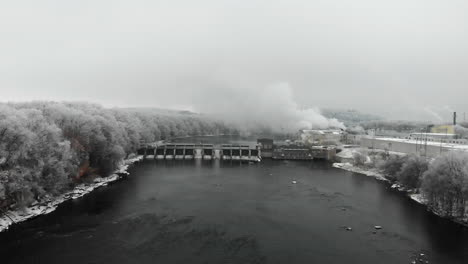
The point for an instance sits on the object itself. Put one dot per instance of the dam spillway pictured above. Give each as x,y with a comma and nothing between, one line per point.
188,151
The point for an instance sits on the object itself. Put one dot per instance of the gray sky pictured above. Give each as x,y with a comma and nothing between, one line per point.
400,58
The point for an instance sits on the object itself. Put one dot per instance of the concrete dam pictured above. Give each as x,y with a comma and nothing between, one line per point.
243,152
189,151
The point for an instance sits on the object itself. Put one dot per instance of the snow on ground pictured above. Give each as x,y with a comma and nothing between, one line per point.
48,206
369,172
401,188
346,153
418,198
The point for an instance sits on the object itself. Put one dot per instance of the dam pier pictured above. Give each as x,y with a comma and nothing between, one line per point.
188,151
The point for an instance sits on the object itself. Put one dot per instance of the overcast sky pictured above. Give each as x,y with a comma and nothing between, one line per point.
400,58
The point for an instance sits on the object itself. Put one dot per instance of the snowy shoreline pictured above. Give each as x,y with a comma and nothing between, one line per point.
368,172
416,197
17,216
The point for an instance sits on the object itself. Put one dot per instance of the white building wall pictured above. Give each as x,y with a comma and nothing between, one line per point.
404,147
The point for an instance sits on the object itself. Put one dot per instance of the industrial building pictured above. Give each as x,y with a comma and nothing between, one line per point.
322,137
292,152
266,146
297,152
443,129
442,138
412,146
438,137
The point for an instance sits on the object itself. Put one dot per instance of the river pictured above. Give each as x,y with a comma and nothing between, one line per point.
232,212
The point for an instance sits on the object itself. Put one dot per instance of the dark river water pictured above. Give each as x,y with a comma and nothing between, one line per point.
231,212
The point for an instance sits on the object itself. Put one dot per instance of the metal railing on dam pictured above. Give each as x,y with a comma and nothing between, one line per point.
247,152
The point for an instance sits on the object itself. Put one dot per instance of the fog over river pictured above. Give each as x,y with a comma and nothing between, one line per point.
231,212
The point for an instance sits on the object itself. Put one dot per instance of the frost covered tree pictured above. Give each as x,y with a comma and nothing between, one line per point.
412,170
45,147
359,158
461,131
392,166
445,184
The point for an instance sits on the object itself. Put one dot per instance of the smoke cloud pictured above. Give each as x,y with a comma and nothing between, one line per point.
271,108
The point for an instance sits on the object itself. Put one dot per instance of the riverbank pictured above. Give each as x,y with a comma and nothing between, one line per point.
47,206
368,172
412,194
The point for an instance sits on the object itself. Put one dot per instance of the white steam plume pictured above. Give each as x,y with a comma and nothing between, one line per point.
272,108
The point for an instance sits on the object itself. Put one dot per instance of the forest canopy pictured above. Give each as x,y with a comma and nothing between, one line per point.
46,147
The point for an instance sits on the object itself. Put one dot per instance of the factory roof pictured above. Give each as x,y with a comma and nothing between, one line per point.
452,146
433,134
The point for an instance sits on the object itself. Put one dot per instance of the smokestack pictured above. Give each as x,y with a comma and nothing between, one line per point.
454,118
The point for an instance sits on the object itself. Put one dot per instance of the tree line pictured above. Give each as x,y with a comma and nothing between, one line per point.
443,181
47,147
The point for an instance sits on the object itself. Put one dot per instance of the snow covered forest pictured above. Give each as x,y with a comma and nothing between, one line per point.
47,147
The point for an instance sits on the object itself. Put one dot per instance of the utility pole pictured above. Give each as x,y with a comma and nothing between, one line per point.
416,144
446,131
425,145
